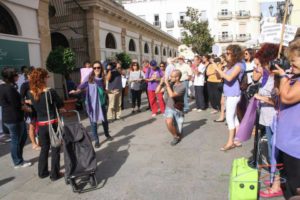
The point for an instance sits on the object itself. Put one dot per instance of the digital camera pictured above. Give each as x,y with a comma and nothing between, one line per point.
282,63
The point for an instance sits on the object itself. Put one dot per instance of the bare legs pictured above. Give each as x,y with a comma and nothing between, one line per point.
31,133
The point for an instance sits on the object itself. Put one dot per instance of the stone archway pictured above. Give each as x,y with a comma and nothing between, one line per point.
58,39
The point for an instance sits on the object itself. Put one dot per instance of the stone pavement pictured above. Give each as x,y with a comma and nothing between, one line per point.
140,164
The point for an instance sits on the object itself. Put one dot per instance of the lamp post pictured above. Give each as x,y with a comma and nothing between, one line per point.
280,10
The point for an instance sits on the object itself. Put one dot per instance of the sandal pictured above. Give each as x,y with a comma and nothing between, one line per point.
237,144
219,120
227,148
269,193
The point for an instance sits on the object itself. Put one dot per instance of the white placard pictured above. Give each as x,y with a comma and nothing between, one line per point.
271,33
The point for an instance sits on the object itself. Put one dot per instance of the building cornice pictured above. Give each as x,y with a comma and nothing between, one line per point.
119,12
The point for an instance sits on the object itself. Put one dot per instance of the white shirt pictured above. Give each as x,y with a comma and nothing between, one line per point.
200,78
20,81
250,66
186,71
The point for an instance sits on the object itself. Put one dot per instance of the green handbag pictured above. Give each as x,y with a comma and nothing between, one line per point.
243,183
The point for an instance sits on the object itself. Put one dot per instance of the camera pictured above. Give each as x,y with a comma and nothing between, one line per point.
282,63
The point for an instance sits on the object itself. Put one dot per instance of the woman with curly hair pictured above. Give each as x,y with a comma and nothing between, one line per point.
231,88
38,93
266,78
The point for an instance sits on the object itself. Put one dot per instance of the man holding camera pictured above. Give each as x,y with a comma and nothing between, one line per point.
174,115
114,79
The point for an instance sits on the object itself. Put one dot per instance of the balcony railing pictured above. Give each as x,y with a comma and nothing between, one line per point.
243,37
242,14
227,38
180,23
157,24
170,24
225,15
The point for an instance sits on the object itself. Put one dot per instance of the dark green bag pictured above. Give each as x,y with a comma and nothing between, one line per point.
102,96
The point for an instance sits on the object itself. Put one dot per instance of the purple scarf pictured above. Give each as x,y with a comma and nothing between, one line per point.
245,130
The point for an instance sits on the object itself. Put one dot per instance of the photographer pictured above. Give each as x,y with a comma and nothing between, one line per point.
175,102
288,126
114,79
262,73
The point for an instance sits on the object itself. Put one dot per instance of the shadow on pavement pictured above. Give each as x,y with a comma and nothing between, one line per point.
6,180
192,126
116,153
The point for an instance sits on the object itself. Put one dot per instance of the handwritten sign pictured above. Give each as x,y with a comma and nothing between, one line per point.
85,73
271,33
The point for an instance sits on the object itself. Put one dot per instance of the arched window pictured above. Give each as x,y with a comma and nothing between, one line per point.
146,48
110,41
58,39
156,50
7,23
175,54
164,52
170,53
131,45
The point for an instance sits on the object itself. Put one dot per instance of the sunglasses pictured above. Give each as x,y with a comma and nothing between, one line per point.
246,54
96,67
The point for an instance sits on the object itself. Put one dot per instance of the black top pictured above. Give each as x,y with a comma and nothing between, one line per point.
41,108
11,103
25,90
116,80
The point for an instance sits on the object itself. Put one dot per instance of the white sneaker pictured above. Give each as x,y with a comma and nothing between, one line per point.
199,110
195,109
23,164
153,115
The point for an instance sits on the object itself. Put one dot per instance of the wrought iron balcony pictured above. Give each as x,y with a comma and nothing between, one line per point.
243,37
170,24
157,24
224,39
225,15
242,14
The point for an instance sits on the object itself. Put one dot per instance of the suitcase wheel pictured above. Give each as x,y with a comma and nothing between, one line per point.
93,180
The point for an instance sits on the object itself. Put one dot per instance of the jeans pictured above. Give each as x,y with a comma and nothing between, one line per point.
94,125
269,135
43,158
186,98
18,134
177,116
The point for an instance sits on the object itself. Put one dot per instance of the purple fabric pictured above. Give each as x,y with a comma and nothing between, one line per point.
232,88
288,130
265,77
92,101
246,126
152,85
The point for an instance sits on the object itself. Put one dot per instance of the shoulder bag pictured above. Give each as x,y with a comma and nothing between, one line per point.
55,136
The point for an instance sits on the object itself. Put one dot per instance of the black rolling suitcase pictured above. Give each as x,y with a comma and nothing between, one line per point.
79,157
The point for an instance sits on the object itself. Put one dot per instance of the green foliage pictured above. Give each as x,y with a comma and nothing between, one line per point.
125,59
61,61
198,35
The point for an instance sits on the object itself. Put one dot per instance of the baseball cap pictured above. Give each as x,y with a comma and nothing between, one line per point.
153,63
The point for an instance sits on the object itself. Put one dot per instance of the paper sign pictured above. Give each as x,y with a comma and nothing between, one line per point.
85,73
271,33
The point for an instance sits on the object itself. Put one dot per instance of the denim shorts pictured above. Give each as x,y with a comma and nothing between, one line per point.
177,117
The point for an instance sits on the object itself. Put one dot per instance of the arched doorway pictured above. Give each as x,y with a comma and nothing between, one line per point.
58,39
7,23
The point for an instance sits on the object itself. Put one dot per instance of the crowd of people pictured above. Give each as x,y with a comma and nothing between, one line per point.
221,83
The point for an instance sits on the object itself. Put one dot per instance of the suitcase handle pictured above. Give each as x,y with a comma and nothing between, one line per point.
71,111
